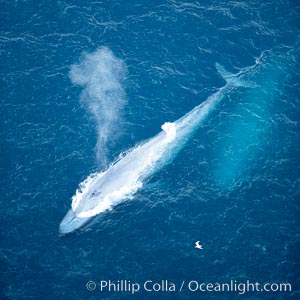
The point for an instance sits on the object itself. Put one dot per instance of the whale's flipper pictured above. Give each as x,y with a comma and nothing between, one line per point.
234,79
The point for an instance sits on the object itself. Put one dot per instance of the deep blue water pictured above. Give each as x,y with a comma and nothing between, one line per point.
235,185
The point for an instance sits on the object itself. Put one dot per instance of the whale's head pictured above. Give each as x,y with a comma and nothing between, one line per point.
71,223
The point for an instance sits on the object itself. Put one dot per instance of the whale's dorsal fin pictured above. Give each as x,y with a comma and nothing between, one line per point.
170,129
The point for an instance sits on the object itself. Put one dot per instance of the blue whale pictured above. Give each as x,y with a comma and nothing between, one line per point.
102,191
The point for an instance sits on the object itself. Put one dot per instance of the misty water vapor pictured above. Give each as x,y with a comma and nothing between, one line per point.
101,75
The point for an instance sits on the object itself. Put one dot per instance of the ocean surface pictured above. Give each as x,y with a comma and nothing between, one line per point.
83,81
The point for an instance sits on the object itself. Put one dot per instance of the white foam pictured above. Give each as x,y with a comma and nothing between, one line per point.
83,189
110,200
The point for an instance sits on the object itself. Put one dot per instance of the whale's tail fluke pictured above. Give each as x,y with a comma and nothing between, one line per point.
234,79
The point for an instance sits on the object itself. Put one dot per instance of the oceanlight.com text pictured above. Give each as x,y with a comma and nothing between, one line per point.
192,286
239,287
